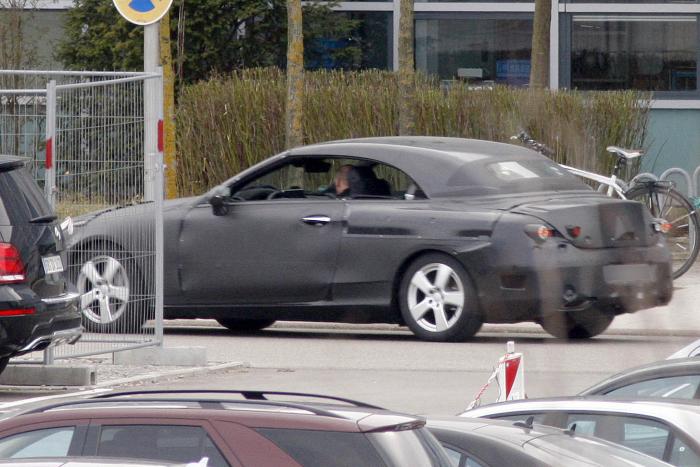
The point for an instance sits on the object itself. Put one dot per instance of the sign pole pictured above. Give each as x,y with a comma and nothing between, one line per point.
151,57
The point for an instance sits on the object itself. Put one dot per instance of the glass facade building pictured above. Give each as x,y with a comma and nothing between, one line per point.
646,45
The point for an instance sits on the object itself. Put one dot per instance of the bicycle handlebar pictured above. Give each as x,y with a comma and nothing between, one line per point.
529,141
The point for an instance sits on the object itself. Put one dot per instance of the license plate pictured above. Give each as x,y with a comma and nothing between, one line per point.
52,264
629,273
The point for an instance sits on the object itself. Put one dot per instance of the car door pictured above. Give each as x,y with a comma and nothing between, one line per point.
261,251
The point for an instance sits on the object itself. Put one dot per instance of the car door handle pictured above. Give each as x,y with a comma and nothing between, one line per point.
316,220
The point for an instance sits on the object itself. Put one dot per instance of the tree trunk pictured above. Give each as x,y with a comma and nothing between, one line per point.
407,121
295,75
166,60
539,67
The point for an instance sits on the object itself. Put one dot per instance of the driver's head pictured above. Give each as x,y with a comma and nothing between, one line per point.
341,178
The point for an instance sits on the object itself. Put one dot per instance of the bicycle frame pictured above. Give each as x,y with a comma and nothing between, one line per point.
613,183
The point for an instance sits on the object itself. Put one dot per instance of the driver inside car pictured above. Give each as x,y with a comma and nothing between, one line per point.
341,185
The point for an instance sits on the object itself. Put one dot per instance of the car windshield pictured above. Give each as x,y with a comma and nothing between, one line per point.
410,447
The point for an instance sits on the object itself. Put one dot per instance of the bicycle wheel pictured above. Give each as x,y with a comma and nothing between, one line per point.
668,204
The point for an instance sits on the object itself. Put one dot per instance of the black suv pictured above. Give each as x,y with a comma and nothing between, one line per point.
37,305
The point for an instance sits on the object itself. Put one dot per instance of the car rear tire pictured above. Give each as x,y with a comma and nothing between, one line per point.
245,325
438,301
113,298
3,363
577,325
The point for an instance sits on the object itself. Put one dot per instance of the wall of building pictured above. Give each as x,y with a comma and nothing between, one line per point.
673,141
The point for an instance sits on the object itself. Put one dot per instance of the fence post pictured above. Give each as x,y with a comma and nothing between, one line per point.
159,191
50,169
50,163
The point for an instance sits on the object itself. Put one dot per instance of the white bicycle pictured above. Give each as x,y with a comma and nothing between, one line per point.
677,215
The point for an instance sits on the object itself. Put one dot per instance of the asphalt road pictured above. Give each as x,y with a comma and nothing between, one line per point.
387,366
391,368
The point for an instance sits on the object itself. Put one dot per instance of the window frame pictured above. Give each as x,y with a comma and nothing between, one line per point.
566,20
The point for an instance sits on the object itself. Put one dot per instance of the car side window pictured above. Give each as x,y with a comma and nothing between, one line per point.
367,181
312,448
454,456
175,443
643,435
682,455
647,436
679,387
50,442
329,178
461,459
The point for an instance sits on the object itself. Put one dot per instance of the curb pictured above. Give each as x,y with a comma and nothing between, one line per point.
169,374
129,380
521,328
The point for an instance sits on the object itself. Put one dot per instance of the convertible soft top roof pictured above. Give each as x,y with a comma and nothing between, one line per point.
435,163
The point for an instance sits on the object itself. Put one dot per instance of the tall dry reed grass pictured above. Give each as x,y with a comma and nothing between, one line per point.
226,124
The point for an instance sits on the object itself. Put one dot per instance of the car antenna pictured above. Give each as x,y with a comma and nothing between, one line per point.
571,431
527,423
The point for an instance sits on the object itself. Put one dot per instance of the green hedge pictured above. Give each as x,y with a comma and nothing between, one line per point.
228,123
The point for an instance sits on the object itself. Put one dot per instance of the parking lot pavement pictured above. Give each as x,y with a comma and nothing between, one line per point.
680,317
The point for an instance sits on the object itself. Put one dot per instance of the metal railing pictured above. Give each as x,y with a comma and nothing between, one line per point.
85,138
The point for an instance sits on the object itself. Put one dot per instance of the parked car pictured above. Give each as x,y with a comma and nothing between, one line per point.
494,443
678,379
690,350
38,307
88,462
666,430
229,428
441,234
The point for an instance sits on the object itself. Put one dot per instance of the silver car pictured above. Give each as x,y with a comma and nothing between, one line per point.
667,430
493,443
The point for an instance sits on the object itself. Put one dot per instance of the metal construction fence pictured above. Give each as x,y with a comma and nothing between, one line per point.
91,141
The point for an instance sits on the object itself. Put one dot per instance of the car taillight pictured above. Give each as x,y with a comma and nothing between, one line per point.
540,233
574,230
11,266
17,312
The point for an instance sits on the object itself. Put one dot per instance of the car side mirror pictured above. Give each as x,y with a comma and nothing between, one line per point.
218,205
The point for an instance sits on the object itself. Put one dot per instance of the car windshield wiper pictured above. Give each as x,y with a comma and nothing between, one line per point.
43,219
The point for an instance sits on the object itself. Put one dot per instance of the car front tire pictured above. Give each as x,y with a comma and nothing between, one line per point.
438,301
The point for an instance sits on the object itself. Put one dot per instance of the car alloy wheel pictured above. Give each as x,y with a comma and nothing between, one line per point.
438,301
435,297
103,283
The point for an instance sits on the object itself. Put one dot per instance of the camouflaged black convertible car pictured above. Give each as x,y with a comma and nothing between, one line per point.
441,234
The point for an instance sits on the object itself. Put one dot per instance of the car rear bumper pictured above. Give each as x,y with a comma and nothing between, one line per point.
555,279
55,320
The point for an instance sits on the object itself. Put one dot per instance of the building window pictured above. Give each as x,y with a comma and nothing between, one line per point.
368,46
484,49
651,53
